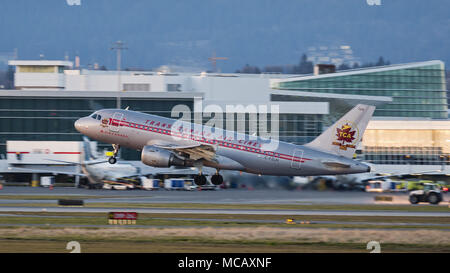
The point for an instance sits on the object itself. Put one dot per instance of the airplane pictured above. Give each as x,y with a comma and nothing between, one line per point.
98,170
166,142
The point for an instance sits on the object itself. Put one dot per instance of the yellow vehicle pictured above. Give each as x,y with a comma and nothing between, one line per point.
417,184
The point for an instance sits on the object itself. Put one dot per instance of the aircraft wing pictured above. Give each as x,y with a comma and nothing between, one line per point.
398,174
186,171
195,152
56,171
76,163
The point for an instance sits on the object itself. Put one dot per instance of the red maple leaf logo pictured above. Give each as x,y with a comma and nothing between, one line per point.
345,134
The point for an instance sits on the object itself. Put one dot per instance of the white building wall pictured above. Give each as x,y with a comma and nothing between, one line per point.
43,152
250,89
245,89
109,82
76,82
40,80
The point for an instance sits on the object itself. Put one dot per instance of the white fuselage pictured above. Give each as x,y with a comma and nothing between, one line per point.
239,151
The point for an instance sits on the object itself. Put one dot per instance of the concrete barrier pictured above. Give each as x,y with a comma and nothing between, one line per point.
70,202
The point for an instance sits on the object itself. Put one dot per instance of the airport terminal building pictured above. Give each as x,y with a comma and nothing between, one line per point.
410,127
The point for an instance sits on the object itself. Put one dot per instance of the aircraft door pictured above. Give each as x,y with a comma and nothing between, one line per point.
297,158
114,123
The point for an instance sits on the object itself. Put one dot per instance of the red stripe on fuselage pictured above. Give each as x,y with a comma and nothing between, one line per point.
222,143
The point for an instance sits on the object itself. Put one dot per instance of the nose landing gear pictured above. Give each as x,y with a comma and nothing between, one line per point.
113,159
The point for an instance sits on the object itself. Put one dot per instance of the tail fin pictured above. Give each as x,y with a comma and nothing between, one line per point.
342,137
87,149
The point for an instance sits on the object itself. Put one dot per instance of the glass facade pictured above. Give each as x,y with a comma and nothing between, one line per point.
39,69
52,118
410,146
300,129
417,90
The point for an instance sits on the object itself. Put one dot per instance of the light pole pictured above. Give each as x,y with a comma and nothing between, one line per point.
118,46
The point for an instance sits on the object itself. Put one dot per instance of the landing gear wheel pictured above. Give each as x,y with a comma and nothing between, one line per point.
200,180
112,160
217,179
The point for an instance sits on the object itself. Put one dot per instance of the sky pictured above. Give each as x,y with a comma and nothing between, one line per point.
256,32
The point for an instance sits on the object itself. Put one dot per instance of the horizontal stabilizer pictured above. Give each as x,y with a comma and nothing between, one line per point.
336,165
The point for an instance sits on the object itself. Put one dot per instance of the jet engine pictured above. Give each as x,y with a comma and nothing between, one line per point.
162,158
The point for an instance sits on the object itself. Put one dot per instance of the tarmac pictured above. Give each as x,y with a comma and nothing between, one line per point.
228,196
221,196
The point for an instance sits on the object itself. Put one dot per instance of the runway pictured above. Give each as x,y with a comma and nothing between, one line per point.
229,211
228,196
241,216
233,197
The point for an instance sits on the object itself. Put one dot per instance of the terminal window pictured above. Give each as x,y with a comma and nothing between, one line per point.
173,87
136,87
36,69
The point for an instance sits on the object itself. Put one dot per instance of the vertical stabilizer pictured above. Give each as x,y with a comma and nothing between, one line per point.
343,136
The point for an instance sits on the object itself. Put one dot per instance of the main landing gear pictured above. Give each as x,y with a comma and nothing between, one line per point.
200,179
217,179
112,159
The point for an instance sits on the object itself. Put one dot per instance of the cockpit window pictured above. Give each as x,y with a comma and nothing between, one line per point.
99,117
94,116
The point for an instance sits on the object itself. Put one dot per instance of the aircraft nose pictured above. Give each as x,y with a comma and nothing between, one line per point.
365,167
77,125
80,125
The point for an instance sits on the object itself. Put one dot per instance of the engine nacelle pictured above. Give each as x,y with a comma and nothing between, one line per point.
158,157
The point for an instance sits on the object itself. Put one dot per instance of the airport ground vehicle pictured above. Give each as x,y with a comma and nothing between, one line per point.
417,184
47,181
149,183
113,185
430,193
384,186
174,184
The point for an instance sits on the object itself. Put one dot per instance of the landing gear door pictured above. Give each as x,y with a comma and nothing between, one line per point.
297,158
114,123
